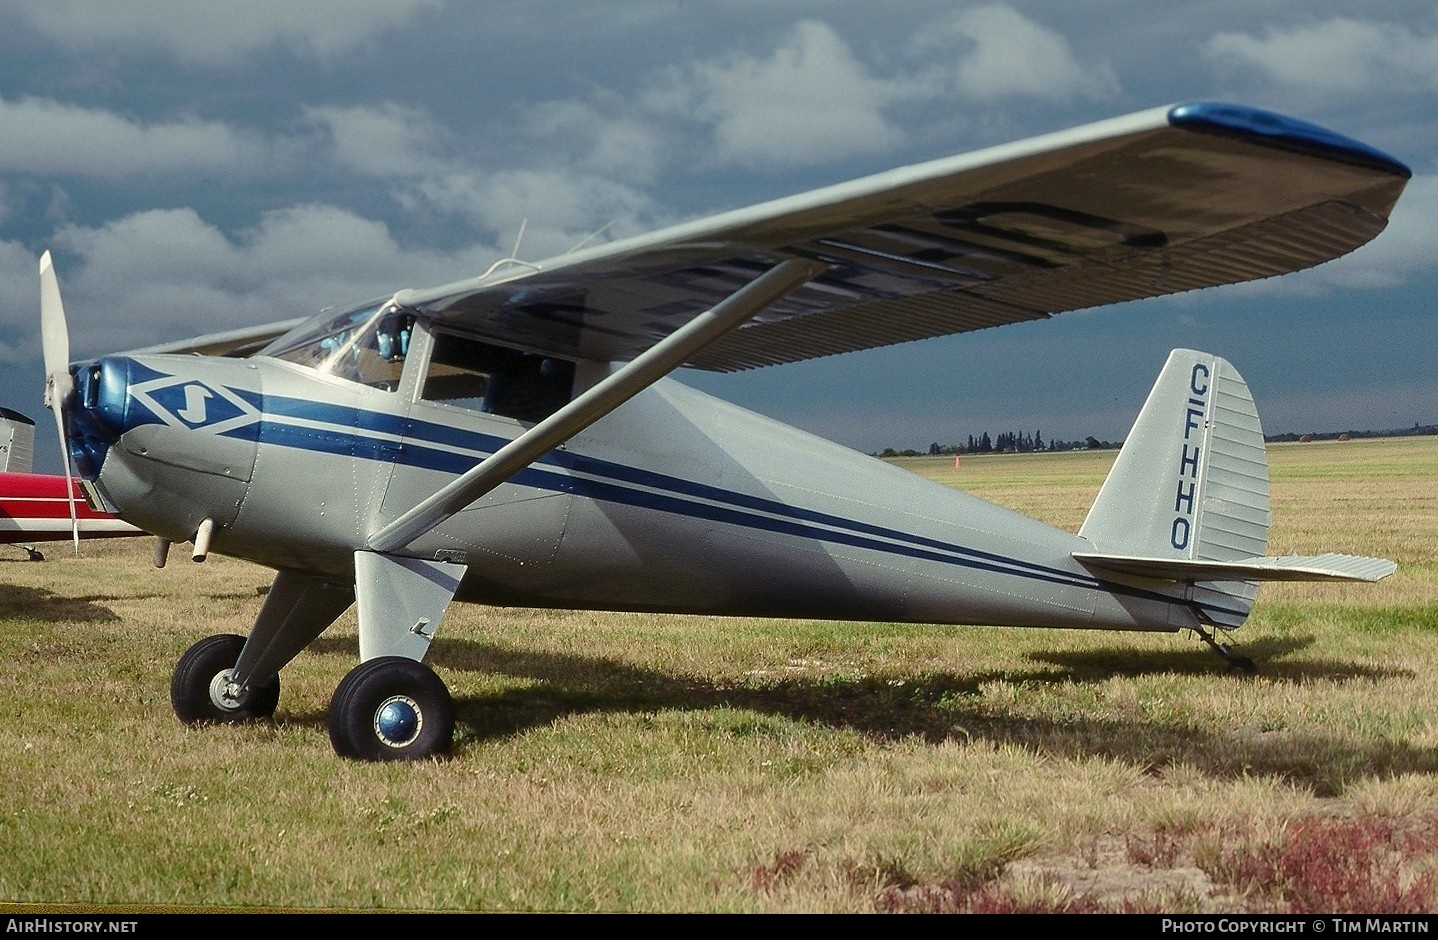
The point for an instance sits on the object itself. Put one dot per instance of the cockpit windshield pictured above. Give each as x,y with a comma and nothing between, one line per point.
366,345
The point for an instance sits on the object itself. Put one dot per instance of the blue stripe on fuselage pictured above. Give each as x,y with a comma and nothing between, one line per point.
455,450
392,438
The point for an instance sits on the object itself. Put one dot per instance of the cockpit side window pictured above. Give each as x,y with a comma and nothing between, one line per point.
366,345
470,373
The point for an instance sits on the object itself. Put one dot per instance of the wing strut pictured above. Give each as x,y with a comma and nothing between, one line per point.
653,364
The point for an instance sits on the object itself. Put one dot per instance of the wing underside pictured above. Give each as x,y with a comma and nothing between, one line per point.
1159,202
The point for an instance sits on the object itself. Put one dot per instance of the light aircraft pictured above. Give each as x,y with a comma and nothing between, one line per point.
43,507
516,439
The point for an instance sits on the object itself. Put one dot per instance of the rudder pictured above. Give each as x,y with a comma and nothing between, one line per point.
1191,480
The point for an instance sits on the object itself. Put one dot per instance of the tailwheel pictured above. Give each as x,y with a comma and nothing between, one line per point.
1241,665
391,708
1237,665
202,690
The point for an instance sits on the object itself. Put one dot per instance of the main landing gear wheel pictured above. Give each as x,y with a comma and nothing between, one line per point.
391,708
200,688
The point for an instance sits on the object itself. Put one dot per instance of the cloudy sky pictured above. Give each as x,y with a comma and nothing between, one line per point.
205,166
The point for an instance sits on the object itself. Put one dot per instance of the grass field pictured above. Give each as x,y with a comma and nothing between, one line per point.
613,762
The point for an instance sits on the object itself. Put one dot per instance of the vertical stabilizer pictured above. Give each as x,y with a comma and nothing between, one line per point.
1192,478
17,442
1191,482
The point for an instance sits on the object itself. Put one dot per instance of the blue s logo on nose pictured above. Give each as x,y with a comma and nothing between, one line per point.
194,411
195,405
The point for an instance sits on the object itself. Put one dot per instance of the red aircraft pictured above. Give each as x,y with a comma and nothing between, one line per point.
35,507
43,507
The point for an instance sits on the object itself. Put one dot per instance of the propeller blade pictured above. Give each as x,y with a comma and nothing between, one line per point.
55,340
54,333
69,480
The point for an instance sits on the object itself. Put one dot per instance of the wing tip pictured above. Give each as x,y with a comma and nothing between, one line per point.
1280,130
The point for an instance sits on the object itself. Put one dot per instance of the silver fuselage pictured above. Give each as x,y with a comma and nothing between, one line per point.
675,502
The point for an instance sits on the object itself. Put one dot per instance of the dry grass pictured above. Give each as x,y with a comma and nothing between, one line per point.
613,762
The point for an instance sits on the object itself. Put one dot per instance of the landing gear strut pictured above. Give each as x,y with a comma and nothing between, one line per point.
1241,665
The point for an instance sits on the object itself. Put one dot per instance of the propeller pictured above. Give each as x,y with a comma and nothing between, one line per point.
55,338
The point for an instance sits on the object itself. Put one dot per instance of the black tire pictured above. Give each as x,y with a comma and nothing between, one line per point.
391,708
195,685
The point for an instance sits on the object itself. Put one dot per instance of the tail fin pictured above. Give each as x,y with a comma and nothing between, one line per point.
17,442
1187,498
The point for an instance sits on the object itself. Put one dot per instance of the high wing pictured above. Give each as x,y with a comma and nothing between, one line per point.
240,342
1161,201
1166,200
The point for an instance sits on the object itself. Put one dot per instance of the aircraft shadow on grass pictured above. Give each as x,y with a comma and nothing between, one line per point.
33,603
945,706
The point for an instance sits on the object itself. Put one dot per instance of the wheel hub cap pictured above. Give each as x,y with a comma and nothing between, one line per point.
226,694
398,720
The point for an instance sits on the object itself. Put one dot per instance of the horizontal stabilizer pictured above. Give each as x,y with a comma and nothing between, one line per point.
1329,566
